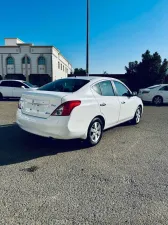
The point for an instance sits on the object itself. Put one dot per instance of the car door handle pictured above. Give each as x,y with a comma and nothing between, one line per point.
103,104
122,102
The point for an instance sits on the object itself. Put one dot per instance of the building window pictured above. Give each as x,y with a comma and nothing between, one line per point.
28,60
24,60
61,66
10,61
41,60
41,65
58,65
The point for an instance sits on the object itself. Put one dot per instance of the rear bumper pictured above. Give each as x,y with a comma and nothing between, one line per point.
55,127
145,98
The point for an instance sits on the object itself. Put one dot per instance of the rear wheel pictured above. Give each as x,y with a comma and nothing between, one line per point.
95,132
158,100
137,116
1,96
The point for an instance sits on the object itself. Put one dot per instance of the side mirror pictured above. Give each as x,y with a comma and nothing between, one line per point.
23,87
134,93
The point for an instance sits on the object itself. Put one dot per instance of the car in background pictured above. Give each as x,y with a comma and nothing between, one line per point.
157,94
14,88
78,108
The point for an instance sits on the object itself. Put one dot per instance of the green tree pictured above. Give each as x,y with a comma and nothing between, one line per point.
79,71
151,70
105,72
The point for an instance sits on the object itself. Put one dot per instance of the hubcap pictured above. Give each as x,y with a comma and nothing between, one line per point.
95,132
138,115
158,100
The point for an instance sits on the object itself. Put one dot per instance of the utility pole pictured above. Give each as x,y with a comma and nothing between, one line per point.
87,39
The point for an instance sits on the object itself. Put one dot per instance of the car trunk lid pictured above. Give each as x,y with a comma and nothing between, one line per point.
41,103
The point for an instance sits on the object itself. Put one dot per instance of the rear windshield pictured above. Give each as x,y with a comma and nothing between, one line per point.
64,85
153,87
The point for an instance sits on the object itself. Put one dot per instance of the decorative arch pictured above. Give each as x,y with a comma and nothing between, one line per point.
10,65
41,60
41,65
26,65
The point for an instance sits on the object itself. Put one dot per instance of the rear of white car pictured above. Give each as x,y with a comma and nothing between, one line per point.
73,108
60,115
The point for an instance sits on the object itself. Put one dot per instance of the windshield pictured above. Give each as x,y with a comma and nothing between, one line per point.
64,85
29,84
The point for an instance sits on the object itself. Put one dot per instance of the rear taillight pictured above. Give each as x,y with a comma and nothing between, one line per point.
66,108
19,105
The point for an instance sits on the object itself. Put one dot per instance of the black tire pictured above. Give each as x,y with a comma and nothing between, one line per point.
137,116
1,96
157,100
96,125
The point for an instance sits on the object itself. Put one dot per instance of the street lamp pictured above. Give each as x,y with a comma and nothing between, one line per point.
87,39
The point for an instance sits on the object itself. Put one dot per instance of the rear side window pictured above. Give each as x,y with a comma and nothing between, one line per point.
64,85
6,84
97,89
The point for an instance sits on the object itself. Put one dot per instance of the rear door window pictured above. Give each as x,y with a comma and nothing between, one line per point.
104,88
121,89
6,84
17,84
65,85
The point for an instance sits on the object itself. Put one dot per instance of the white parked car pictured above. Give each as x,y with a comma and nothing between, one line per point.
157,94
14,88
80,107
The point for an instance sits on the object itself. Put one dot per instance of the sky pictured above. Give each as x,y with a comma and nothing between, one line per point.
120,30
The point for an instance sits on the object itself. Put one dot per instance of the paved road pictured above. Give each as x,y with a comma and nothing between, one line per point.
124,180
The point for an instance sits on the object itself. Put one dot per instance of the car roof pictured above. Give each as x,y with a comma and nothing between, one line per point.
12,80
91,78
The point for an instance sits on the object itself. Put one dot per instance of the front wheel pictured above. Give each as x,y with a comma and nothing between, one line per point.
95,132
137,116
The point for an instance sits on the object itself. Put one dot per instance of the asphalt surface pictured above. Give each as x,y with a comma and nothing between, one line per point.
123,180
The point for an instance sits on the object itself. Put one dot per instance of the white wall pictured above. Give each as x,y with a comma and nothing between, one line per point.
51,55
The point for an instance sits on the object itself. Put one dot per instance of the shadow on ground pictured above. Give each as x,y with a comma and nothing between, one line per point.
10,100
18,146
151,104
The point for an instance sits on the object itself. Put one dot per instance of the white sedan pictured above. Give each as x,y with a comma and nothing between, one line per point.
14,88
78,107
157,94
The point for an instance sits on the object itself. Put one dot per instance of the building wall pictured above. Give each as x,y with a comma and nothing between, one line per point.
18,52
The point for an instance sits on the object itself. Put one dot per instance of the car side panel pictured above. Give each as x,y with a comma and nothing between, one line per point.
6,91
82,115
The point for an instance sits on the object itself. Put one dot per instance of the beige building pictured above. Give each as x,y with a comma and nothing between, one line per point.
19,58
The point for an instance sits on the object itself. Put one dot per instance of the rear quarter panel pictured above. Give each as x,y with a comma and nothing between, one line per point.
82,115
